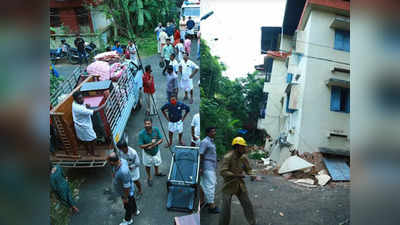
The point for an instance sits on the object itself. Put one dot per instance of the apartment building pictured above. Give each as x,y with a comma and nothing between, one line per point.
307,66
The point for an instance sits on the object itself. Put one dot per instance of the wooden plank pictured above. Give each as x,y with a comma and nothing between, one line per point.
68,156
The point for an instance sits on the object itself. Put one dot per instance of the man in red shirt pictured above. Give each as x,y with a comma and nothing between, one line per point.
148,87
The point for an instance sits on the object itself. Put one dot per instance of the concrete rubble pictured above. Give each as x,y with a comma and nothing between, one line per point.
322,178
305,169
294,163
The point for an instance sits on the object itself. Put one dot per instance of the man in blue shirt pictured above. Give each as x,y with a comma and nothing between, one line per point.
170,29
123,185
175,118
117,48
190,27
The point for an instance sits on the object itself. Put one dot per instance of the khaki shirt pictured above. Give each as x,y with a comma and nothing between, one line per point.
235,165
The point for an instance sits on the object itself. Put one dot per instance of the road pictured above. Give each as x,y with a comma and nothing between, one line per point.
97,207
299,205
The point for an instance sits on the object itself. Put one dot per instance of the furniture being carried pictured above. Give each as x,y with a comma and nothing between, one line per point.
108,123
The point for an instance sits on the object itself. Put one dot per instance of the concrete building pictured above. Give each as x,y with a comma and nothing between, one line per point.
308,76
73,15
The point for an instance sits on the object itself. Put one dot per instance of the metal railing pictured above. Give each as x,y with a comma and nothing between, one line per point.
118,99
66,86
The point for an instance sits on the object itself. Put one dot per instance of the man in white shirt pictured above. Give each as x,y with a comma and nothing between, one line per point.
163,39
195,130
131,156
174,63
180,48
157,30
188,69
132,51
83,122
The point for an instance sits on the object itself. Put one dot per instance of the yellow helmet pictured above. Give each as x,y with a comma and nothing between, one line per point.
239,141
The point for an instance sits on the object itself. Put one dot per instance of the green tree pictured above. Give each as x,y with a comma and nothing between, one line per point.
133,16
228,105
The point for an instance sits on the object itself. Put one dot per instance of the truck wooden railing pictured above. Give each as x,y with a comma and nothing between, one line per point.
124,96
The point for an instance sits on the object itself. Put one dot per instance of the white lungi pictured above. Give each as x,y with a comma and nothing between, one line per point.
208,182
149,161
175,127
135,174
196,142
187,85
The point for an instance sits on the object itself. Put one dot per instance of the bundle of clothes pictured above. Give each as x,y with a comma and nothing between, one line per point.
107,65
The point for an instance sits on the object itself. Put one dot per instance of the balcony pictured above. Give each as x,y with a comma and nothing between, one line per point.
341,22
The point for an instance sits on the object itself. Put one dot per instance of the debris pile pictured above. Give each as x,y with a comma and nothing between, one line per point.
307,169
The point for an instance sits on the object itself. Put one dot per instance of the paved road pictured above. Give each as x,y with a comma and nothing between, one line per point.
98,208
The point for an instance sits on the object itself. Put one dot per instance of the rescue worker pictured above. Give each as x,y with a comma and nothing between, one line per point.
234,164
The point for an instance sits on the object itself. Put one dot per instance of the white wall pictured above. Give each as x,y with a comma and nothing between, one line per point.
316,117
99,20
275,88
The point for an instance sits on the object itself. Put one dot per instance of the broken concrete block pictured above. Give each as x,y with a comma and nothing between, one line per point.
323,179
323,172
266,161
269,167
275,153
294,163
305,181
284,154
287,175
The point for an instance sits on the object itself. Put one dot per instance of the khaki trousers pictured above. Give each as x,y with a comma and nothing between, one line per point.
243,197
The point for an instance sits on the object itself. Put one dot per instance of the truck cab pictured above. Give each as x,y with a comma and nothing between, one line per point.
192,9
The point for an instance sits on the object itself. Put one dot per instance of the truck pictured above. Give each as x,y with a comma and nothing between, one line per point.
192,9
121,99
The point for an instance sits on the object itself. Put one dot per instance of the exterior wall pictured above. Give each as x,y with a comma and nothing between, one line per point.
68,15
99,20
316,119
68,19
286,44
272,123
275,90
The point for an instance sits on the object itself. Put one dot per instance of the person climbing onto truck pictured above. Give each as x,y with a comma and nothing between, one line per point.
234,164
83,122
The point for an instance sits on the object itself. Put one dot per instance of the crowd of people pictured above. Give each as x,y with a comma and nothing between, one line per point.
174,47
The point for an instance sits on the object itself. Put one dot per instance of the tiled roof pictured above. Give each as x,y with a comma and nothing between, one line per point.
278,54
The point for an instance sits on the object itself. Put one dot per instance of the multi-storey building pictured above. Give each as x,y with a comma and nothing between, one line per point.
307,67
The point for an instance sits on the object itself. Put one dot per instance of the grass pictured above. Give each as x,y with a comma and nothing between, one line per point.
146,44
60,214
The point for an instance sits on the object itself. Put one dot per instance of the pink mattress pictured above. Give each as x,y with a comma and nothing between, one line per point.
93,101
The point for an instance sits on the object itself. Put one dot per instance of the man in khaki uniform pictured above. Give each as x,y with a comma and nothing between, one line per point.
234,164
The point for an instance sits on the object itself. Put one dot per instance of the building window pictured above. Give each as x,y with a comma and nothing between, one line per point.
340,99
342,40
55,20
